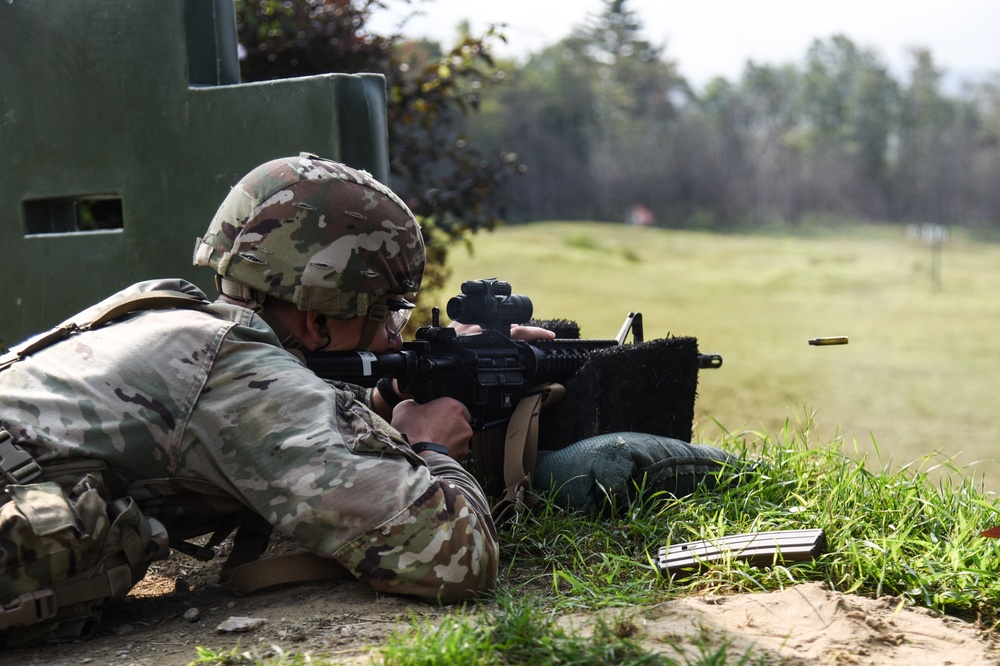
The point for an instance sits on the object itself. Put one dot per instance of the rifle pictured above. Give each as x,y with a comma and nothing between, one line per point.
488,372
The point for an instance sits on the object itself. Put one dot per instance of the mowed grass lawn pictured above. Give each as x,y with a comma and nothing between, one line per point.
920,375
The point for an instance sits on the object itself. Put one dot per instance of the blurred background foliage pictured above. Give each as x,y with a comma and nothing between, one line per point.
606,127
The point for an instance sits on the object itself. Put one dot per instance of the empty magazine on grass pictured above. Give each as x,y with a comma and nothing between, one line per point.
761,549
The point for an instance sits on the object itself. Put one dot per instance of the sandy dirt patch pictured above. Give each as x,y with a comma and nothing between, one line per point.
179,606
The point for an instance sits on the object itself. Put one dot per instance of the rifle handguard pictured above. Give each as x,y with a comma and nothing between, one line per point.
760,549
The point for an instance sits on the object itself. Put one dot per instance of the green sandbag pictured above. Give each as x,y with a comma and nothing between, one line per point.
587,474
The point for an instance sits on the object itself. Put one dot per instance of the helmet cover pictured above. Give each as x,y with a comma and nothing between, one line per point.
315,233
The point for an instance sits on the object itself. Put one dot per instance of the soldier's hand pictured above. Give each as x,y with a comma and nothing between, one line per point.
517,332
444,421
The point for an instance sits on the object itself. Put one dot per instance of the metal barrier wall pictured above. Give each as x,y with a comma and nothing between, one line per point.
122,127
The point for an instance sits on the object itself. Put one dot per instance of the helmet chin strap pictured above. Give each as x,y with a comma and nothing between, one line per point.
286,337
377,314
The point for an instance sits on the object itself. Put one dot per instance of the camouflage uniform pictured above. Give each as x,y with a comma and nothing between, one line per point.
200,413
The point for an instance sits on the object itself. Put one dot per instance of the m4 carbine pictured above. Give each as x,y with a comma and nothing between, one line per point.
488,372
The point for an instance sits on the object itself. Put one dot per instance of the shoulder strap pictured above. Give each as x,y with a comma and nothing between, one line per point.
149,300
521,448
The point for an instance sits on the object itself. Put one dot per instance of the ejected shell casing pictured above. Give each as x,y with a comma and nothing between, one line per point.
832,340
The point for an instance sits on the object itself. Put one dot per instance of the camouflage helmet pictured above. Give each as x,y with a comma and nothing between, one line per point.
315,233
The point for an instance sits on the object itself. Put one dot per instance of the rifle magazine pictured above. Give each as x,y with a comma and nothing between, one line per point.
759,549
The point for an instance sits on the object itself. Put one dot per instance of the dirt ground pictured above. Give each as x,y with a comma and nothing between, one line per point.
180,606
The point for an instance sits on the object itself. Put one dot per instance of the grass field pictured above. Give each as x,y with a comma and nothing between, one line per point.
918,377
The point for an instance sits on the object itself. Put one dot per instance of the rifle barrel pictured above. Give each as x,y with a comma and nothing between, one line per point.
361,368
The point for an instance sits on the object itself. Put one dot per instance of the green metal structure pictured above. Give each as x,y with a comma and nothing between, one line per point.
123,125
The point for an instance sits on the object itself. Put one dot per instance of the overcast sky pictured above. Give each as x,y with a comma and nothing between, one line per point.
708,38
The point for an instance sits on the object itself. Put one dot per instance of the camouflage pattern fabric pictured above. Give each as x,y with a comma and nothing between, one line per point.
316,233
200,413
75,546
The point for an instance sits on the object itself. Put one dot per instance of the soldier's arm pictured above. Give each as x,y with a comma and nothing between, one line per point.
326,471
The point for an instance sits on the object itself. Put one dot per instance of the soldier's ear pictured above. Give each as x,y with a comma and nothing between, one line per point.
317,336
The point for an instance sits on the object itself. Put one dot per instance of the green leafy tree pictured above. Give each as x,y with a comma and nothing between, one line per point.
452,187
925,189
768,114
546,114
753,153
850,107
635,97
983,107
592,117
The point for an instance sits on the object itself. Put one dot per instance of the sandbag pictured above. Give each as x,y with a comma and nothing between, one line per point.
612,467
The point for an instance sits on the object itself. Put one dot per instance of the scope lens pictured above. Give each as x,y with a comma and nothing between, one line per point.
517,308
457,308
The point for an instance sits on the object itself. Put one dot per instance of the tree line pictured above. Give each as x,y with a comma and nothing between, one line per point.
603,121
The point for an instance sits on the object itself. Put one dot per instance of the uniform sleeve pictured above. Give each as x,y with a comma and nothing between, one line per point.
322,468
